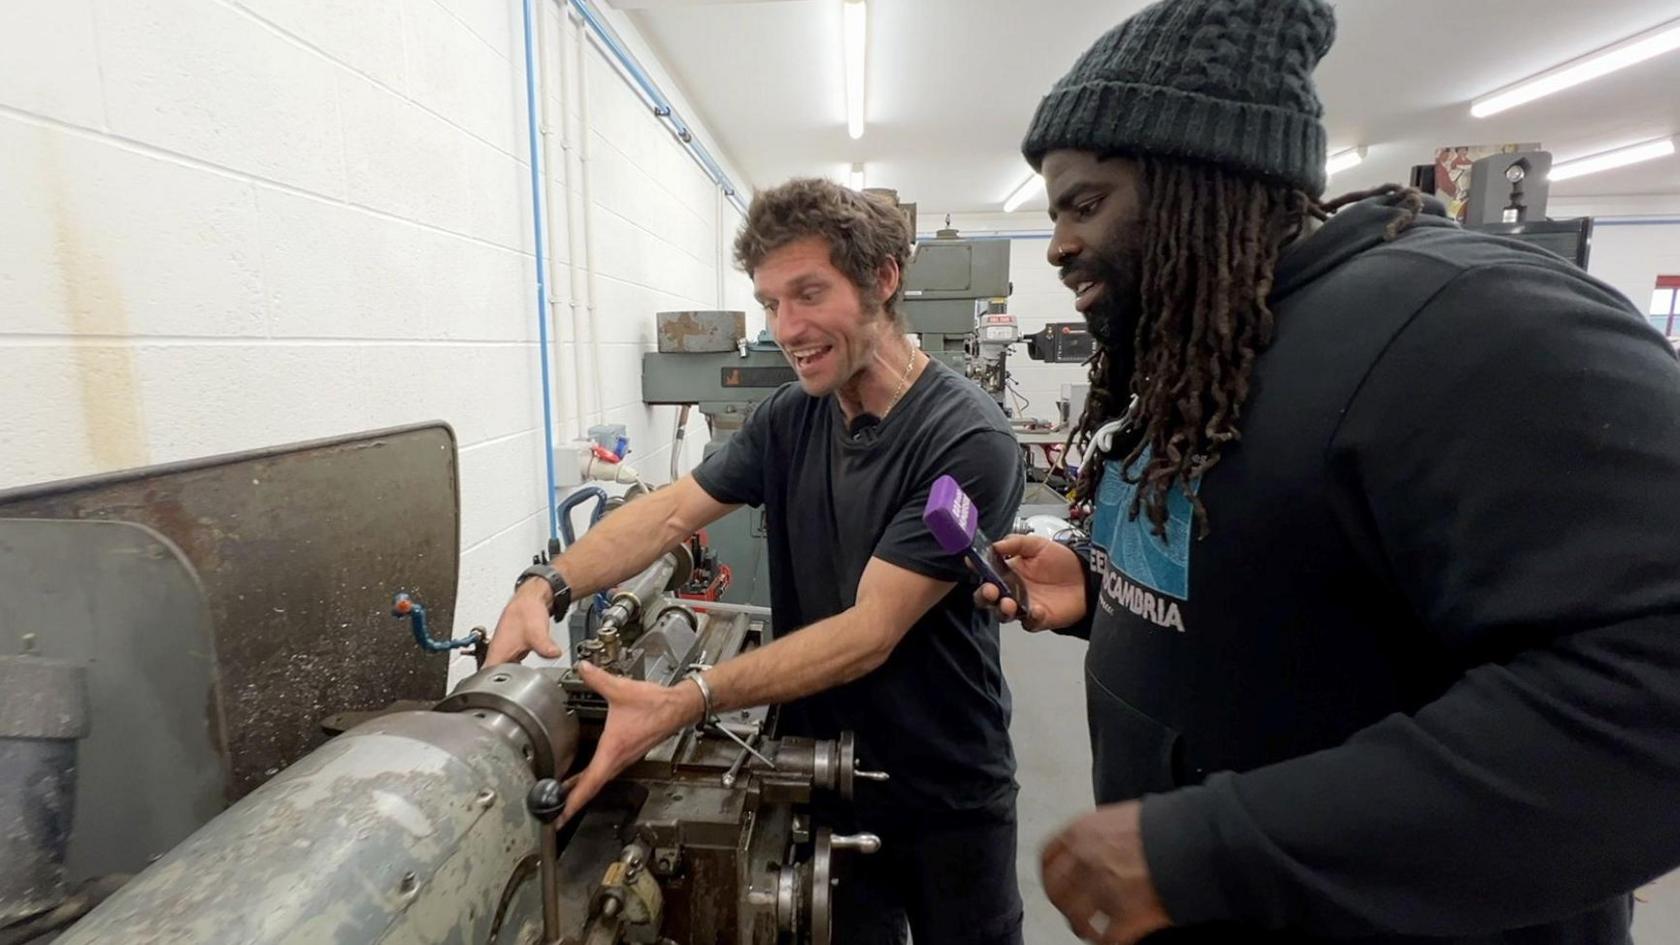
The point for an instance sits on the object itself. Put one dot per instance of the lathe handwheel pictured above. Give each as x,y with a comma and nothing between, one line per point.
822,888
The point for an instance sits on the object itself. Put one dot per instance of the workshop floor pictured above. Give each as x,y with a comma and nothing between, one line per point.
1046,675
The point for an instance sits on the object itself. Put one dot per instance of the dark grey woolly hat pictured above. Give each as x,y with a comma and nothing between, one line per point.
1225,81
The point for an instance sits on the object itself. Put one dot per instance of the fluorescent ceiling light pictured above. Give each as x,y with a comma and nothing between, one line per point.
1637,49
1034,184
857,176
1621,157
1342,160
856,32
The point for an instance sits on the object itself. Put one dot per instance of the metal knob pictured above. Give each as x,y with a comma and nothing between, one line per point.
865,843
546,800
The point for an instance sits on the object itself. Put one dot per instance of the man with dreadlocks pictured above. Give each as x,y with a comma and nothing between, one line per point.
1383,615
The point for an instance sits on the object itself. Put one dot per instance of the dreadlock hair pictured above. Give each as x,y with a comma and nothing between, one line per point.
1211,242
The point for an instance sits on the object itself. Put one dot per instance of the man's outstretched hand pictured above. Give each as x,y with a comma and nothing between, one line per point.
640,715
523,627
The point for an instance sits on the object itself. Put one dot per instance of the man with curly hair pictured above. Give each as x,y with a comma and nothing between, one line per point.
872,632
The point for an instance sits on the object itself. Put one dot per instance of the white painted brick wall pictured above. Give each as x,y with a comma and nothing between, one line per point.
101,239
199,78
465,78
498,23
366,36
1039,298
240,223
48,61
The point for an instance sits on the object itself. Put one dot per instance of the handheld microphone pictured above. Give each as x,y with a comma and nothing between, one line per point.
955,523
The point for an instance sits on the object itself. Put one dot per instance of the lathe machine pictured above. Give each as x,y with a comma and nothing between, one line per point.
393,817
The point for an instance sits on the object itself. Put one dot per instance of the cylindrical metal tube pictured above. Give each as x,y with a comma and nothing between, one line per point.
631,598
652,582
734,773
723,607
372,838
402,830
43,711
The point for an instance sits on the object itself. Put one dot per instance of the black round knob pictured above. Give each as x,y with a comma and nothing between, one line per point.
546,800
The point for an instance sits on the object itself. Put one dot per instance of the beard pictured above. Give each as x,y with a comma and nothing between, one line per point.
1113,318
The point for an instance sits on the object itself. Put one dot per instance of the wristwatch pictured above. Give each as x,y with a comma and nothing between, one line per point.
562,591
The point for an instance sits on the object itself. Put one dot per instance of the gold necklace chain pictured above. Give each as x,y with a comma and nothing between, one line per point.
904,379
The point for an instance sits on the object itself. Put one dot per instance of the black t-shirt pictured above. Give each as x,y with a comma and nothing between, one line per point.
935,716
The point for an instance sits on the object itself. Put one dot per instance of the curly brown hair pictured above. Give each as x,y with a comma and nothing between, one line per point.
862,231
1212,239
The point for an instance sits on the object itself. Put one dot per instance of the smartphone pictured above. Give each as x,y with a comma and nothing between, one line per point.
955,523
993,570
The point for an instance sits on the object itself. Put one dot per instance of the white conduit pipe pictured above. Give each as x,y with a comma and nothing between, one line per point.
574,282
568,389
590,294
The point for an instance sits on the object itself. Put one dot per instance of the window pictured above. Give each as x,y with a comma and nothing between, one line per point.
1665,305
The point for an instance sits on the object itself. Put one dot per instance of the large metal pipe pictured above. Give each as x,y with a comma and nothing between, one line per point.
723,607
43,711
406,829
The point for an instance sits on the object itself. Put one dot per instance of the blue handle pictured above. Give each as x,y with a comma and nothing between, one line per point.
405,606
576,499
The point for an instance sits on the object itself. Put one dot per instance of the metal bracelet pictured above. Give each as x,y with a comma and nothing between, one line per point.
707,717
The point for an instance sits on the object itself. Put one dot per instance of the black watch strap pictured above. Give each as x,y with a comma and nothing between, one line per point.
562,591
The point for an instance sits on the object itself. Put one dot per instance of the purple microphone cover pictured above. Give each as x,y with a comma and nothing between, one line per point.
950,516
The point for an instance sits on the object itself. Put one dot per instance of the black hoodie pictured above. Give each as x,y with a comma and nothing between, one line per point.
1421,679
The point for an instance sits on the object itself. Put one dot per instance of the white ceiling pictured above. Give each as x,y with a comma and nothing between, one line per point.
952,84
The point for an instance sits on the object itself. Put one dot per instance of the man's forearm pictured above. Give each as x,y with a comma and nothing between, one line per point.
621,545
821,656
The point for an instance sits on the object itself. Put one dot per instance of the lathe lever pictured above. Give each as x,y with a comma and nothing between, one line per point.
546,801
865,843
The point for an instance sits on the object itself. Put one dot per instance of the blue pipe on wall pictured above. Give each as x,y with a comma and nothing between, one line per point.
663,110
662,107
542,266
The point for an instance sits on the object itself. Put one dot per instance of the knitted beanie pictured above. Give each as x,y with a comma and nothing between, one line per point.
1223,81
